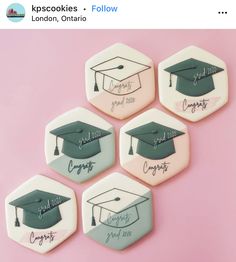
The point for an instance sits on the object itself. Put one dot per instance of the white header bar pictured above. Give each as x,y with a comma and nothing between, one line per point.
120,14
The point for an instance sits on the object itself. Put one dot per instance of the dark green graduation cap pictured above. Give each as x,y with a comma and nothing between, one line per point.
194,77
81,140
155,141
40,209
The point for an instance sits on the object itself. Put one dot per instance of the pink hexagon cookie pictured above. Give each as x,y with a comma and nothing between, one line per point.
120,81
154,146
41,214
193,83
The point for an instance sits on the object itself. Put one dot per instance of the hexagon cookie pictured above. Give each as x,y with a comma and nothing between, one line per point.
41,213
117,211
79,144
120,81
193,83
154,146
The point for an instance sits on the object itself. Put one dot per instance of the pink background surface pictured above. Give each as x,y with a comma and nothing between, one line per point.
42,76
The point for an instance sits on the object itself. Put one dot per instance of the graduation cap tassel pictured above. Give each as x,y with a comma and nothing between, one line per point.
93,223
131,152
17,222
100,71
96,84
56,151
170,85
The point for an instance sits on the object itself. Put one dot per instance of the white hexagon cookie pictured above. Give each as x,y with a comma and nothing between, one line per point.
79,144
41,213
117,211
193,83
154,146
120,81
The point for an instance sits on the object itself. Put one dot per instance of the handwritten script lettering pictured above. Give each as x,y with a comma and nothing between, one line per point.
48,206
166,136
120,103
195,106
124,87
118,235
206,71
89,137
153,169
41,239
88,167
118,219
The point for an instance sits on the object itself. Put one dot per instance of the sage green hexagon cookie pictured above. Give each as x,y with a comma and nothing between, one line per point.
79,144
117,211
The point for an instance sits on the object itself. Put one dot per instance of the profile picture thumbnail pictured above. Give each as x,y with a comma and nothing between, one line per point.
15,12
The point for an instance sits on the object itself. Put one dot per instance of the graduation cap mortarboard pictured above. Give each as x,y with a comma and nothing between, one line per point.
155,141
114,203
194,77
119,69
81,140
40,209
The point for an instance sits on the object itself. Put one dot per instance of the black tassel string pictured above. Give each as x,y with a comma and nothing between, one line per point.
131,152
56,150
17,222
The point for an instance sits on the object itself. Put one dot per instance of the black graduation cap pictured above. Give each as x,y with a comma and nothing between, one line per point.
194,77
119,69
40,209
80,140
155,141
116,202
